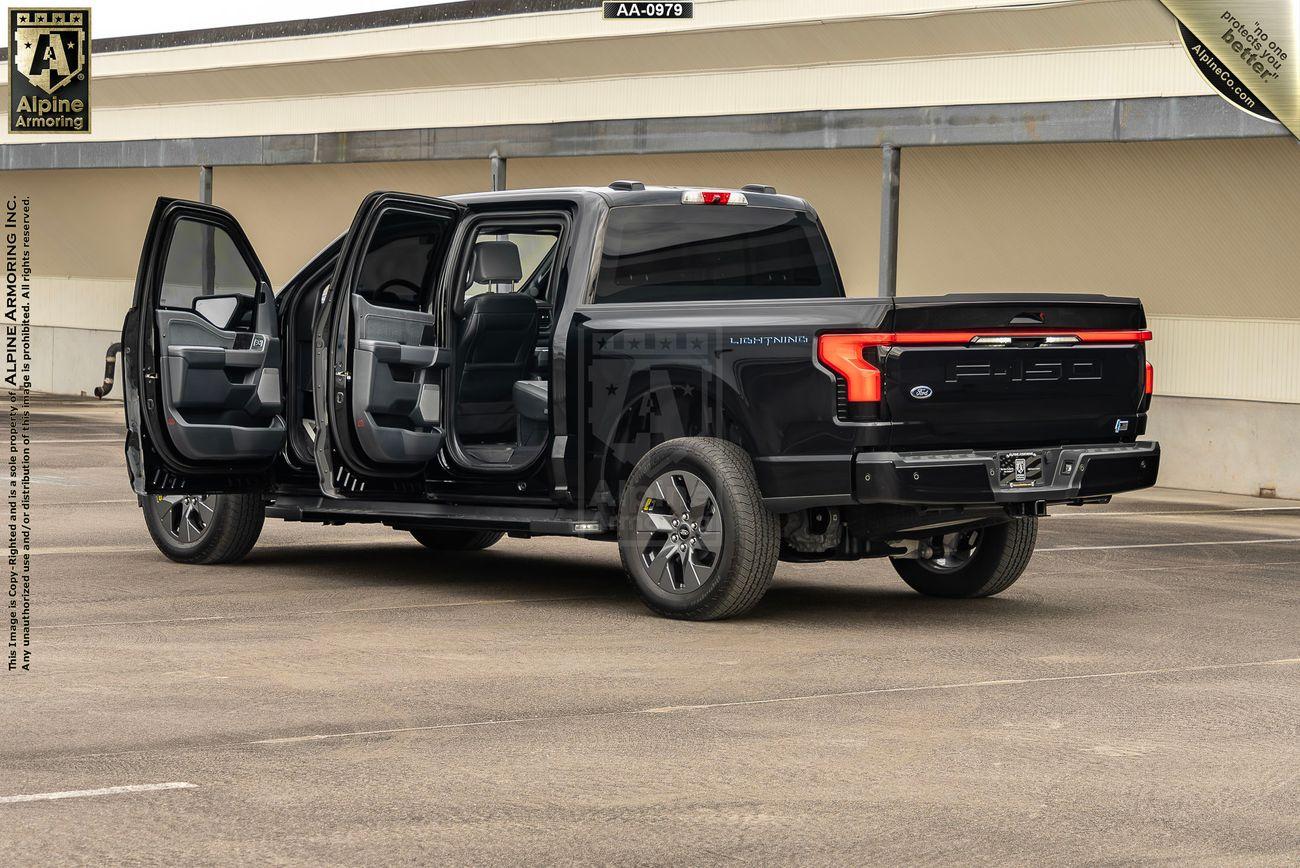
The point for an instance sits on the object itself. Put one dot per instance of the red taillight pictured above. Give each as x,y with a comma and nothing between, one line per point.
1149,381
843,355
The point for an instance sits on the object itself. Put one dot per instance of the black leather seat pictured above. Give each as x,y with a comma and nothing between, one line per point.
496,345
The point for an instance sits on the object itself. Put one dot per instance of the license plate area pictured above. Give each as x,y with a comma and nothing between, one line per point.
1020,469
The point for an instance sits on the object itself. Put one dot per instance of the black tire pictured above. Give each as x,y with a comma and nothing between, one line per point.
739,560
204,529
999,555
456,540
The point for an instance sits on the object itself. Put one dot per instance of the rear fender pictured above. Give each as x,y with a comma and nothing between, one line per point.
661,404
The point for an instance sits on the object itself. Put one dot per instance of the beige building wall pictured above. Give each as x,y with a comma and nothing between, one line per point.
1206,228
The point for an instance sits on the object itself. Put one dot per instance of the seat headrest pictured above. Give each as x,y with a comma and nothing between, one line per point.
500,303
497,262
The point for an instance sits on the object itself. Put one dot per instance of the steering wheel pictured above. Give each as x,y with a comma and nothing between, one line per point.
400,281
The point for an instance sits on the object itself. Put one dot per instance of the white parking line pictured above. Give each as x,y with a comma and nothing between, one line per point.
86,440
313,544
104,791
808,697
1225,542
317,612
1177,512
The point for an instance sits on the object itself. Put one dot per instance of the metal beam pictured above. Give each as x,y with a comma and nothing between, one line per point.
1124,120
498,170
890,157
209,251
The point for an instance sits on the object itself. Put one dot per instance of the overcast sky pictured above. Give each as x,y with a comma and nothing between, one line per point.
134,17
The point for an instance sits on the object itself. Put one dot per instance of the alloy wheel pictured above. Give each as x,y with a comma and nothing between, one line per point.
678,532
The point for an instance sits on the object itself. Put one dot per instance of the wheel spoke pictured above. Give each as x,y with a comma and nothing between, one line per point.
204,510
654,522
183,528
659,566
694,570
666,485
699,498
163,505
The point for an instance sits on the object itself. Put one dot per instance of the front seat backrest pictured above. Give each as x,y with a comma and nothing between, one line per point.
495,348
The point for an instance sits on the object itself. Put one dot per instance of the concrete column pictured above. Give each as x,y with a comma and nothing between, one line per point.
889,158
498,165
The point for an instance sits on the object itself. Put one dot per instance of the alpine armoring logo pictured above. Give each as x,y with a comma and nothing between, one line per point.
49,70
1216,72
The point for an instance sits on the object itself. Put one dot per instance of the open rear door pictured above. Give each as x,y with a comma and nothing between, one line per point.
201,351
379,351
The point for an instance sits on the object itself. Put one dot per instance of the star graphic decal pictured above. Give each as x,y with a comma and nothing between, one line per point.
611,389
697,344
634,343
666,344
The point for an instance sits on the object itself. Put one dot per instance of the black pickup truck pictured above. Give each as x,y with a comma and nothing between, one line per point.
677,370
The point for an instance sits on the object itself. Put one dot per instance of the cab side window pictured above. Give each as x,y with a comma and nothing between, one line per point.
400,268
202,262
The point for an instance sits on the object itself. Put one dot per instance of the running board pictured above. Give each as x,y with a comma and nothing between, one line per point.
541,521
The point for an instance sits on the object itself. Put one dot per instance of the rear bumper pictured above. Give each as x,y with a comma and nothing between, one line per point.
973,476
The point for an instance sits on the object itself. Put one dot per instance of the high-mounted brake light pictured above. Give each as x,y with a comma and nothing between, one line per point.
1149,380
713,197
845,353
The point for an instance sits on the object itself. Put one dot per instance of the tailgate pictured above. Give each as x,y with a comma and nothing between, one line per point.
967,370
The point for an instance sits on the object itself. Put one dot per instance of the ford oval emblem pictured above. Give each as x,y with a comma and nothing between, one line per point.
922,392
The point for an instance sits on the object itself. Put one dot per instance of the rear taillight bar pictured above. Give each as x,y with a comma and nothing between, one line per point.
990,336
844,353
1149,380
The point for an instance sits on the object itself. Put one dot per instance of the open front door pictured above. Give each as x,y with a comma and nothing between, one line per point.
201,354
380,357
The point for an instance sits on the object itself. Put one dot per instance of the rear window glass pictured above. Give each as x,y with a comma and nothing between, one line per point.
713,253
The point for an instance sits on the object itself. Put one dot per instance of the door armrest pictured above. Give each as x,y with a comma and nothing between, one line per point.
393,353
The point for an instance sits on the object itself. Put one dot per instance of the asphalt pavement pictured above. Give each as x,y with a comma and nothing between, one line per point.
345,696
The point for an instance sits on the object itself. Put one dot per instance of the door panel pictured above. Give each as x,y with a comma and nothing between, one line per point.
380,357
221,389
396,383
204,391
